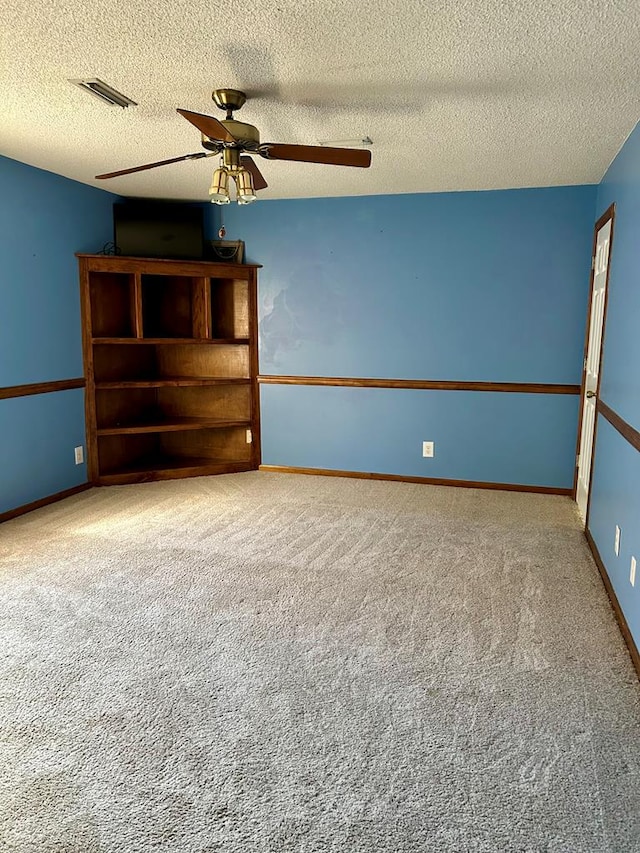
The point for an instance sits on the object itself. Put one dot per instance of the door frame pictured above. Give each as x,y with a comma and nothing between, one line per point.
609,214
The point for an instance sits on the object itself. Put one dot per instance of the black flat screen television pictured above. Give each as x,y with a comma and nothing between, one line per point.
158,230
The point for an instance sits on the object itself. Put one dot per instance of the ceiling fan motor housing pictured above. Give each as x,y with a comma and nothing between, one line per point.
248,137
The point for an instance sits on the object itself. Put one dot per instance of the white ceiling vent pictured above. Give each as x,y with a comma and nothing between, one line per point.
362,142
104,92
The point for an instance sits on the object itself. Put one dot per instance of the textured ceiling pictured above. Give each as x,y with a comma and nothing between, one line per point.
456,94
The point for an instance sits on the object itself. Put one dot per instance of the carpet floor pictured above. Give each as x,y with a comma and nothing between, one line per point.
270,663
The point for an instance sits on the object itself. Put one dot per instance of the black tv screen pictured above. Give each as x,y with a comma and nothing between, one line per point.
158,230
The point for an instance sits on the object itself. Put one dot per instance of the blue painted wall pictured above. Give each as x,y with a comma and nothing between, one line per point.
615,499
615,496
464,286
36,451
481,436
486,286
620,386
44,219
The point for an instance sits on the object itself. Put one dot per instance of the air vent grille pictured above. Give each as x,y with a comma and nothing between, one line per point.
105,92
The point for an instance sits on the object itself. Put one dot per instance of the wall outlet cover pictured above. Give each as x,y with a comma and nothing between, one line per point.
79,454
428,449
616,541
632,572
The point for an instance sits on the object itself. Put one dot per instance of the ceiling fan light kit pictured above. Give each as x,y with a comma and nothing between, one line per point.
219,189
232,138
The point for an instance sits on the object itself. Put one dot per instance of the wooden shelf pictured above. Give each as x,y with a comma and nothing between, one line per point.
174,425
171,361
175,341
173,382
170,468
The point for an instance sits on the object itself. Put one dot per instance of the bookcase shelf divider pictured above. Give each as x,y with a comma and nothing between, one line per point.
136,306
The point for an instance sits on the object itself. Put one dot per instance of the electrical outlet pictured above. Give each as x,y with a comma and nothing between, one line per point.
248,435
79,454
616,542
632,572
427,449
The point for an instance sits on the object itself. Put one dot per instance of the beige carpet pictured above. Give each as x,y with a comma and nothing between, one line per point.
261,663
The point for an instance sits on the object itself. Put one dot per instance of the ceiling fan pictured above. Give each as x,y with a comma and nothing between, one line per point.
231,138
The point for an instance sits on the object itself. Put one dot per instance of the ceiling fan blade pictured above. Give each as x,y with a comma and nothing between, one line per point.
259,182
317,154
153,165
208,125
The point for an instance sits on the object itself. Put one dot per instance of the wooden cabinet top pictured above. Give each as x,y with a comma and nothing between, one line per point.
120,263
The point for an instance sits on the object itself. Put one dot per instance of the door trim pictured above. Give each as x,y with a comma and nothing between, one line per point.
609,214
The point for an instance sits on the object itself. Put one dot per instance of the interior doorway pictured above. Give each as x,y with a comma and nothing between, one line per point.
603,237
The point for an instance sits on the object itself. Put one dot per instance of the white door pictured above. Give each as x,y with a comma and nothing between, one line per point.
592,364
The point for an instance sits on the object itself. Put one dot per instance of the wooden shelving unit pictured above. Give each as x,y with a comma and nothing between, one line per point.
171,363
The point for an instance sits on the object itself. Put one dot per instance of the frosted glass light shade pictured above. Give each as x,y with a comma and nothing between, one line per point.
219,189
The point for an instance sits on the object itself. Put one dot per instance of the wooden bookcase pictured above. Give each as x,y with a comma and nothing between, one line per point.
171,362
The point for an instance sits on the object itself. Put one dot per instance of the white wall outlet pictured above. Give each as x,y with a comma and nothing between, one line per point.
427,449
616,541
632,572
248,436
79,454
